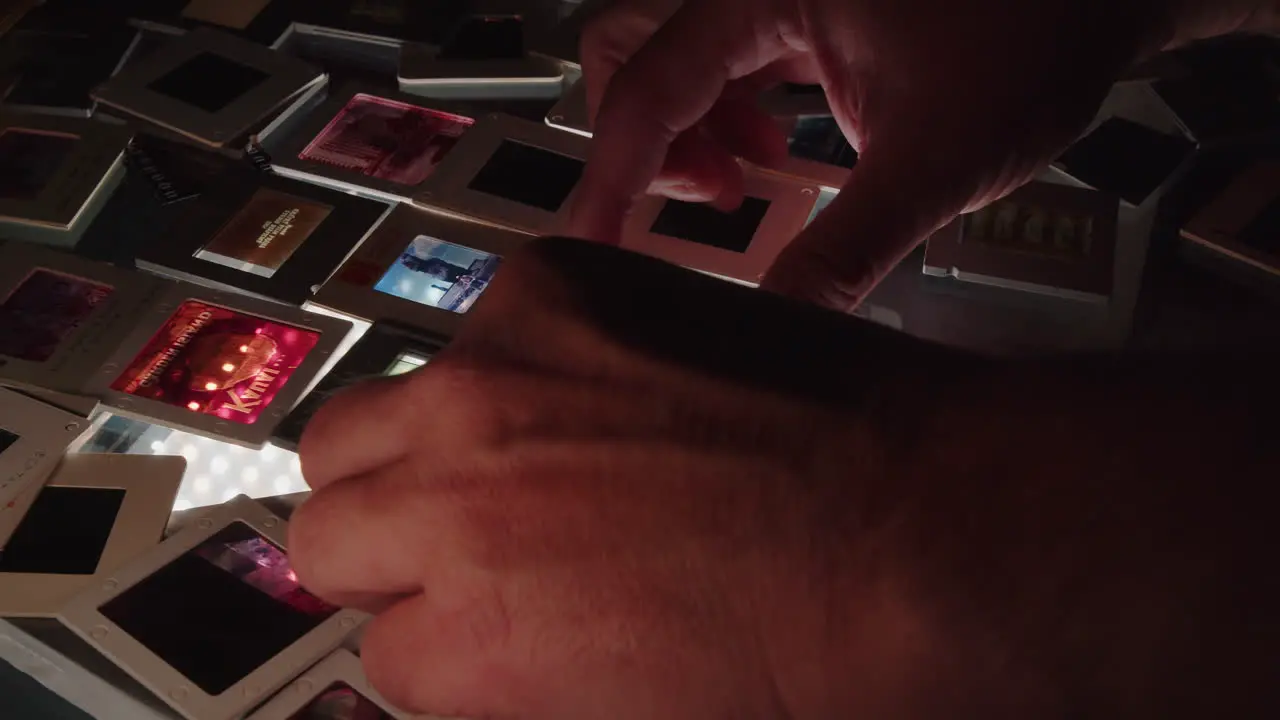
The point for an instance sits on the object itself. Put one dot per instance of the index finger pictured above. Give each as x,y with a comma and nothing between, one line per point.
612,36
665,89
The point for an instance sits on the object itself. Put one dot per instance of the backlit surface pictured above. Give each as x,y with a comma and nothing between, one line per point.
216,471
407,362
215,361
44,310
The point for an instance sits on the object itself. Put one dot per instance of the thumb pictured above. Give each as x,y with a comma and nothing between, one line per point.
887,207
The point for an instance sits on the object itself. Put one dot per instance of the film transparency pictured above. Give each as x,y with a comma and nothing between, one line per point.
1044,238
58,173
213,620
509,172
335,689
261,234
220,365
381,144
208,86
421,269
62,316
738,245
388,349
94,514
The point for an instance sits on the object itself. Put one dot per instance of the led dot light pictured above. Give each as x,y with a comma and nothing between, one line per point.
284,484
202,484
216,471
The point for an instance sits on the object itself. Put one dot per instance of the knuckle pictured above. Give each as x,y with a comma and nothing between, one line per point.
474,401
306,533
325,429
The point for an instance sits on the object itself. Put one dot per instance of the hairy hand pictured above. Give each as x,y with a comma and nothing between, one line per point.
602,501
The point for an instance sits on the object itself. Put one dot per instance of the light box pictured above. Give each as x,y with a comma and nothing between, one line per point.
212,620
94,514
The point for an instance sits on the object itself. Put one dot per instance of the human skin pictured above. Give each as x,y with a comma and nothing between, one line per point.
630,491
951,106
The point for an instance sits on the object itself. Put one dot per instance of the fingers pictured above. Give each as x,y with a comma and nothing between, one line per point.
888,206
698,170
360,541
357,431
746,131
615,34
665,89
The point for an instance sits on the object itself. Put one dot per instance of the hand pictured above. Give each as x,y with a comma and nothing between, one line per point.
605,501
630,491
951,106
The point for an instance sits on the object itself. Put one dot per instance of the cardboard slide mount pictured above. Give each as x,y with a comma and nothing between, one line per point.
85,616
149,486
